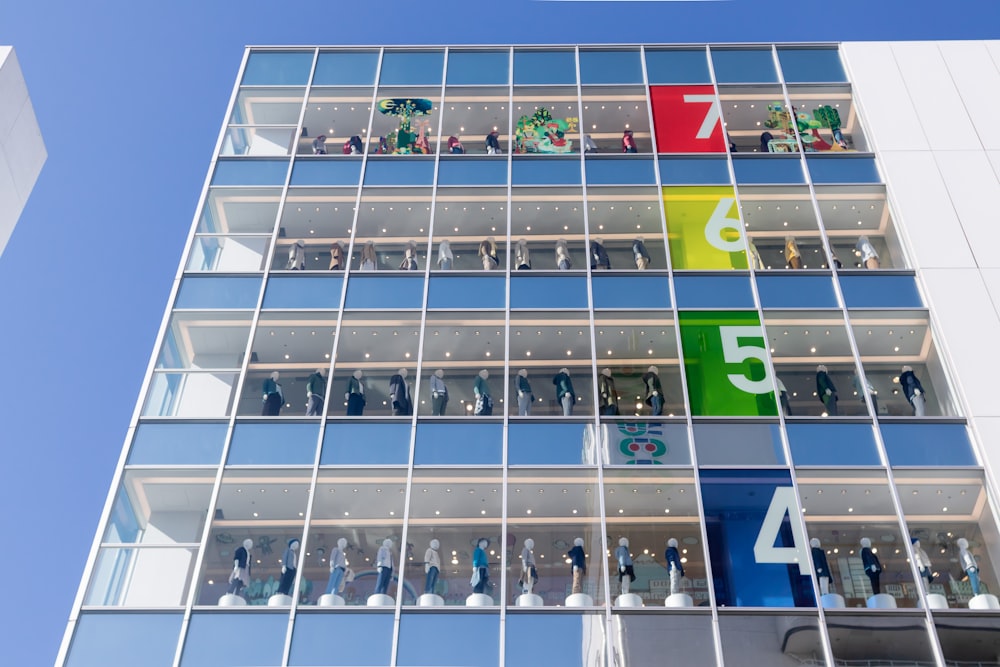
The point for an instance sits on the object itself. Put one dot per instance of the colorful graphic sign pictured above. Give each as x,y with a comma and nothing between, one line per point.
541,133
687,119
725,361
704,228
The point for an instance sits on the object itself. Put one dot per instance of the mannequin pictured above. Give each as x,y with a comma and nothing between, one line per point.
369,258
338,565
319,145
870,390
674,566
493,143
869,257
873,568
484,402
290,565
273,398
589,145
409,262
297,256
529,574
336,256
579,560
455,145
792,255
355,395
564,391
315,393
480,567
826,391
755,259
562,256
445,256
654,390
821,566
922,561
522,258
383,563
357,148
439,393
524,396
640,254
914,391
432,566
607,392
626,571
786,407
628,142
599,259
242,560
399,394
969,564
488,254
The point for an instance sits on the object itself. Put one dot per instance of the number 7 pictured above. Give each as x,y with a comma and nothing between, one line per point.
712,114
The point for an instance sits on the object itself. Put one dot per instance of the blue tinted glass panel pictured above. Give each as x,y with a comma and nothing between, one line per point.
680,171
412,68
177,444
548,292
811,65
796,292
323,171
472,640
277,444
221,292
623,171
459,444
832,444
842,169
303,292
928,444
880,292
117,639
478,68
738,444
466,292
544,67
770,169
250,172
350,443
400,170
677,66
465,171
744,66
545,170
551,444
387,292
631,292
736,502
211,640
278,69
574,633
610,67
646,443
346,68
713,292
367,639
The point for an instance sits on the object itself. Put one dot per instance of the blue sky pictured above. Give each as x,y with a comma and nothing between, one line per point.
130,97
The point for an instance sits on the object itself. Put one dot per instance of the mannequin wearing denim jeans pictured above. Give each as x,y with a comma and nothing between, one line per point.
338,565
383,563
654,390
524,395
564,391
432,566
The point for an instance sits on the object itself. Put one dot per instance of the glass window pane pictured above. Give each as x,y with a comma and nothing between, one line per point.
459,444
210,642
767,170
969,641
751,640
544,67
756,120
273,444
303,292
250,172
551,444
466,292
796,292
278,68
221,292
160,507
690,171
542,293
258,141
311,639
143,577
580,640
744,66
467,171
646,639
385,292
828,123
901,640
704,229
389,171
928,444
350,444
738,444
177,444
832,445
880,291
534,171
713,292
623,171
204,340
806,65
341,171
412,68
239,211
631,292
610,67
268,106
346,68
677,66
228,254
478,68
473,640
782,229
840,169
191,395
153,636
687,119
645,443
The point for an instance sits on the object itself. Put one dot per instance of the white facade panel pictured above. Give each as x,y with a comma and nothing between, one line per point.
978,81
973,192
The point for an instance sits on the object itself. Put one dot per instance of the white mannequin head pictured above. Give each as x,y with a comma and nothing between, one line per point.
963,543
821,369
564,370
319,371
357,375
435,545
606,372
484,373
275,375
672,543
444,244
387,543
293,544
342,543
654,370
439,372
866,543
578,541
907,369
523,372
915,542
623,542
529,543
814,542
402,371
300,243
247,544
483,543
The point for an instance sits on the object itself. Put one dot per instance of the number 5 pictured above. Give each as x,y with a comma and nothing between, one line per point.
764,551
734,353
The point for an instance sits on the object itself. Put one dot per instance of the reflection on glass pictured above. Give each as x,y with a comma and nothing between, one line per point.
861,231
202,647
153,636
191,395
258,141
177,444
473,640
200,340
278,68
581,639
785,641
888,639
311,639
151,577
336,115
642,639
616,118
345,68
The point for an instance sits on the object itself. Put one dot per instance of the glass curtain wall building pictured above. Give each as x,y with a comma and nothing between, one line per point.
547,355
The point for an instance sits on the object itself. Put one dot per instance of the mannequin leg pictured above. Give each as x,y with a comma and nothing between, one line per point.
657,405
919,405
333,585
577,580
973,579
641,263
567,405
523,404
623,581
871,263
873,577
824,585
287,579
431,581
675,580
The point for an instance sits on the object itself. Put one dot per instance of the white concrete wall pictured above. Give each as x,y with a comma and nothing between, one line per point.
929,111
22,151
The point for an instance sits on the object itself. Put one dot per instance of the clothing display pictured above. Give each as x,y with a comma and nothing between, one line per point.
564,391
820,566
793,257
674,566
493,143
439,394
626,568
289,567
869,256
968,564
484,402
914,391
488,254
578,560
529,573
640,254
338,566
336,257
607,393
870,561
445,256
383,564
756,262
562,256
355,395
242,568
319,145
524,396
654,390
455,146
297,256
369,258
399,395
628,142
599,259
432,566
409,262
522,258
315,394
867,389
480,568
922,561
786,407
273,398
826,391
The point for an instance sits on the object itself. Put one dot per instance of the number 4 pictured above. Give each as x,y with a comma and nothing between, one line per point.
764,551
